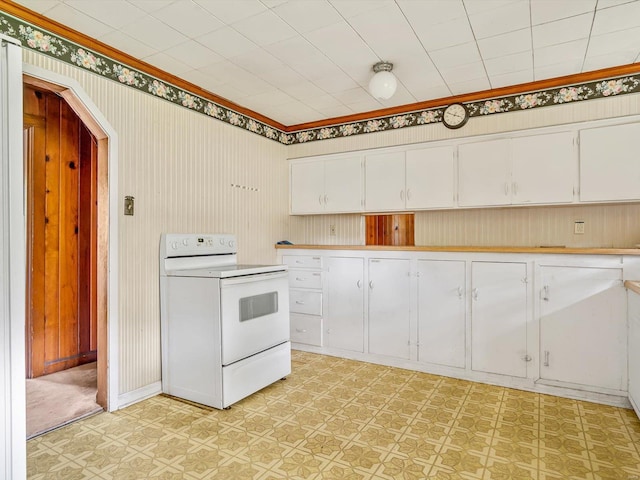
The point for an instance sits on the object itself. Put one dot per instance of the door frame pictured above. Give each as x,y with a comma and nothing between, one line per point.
107,228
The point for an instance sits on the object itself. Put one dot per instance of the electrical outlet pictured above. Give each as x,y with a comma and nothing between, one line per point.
578,228
332,230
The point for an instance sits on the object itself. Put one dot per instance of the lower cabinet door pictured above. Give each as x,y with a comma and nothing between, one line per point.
344,322
441,312
389,301
499,318
583,326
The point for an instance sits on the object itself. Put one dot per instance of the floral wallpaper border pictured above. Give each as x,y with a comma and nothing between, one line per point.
47,43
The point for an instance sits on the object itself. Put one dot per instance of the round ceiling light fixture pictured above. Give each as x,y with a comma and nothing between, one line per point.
384,83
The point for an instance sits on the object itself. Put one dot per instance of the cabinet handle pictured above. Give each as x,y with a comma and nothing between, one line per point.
298,279
298,302
301,330
326,199
546,358
299,261
359,283
460,293
408,194
371,284
514,188
474,293
402,195
329,331
527,358
320,199
506,188
545,293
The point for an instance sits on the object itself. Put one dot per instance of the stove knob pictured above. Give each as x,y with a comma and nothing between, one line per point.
174,245
185,242
222,241
231,243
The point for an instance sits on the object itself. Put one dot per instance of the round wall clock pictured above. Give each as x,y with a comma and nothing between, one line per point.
455,115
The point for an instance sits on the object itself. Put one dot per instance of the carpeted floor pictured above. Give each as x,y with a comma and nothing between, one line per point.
59,398
337,419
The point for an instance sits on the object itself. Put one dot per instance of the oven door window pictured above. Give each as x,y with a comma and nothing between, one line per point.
258,306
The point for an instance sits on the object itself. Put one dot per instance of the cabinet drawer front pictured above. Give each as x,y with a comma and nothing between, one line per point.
306,329
302,261
305,279
301,301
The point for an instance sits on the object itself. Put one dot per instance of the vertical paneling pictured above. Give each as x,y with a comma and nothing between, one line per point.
180,167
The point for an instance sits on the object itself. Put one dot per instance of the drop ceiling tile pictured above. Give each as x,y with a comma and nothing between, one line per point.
194,54
445,34
432,12
304,90
115,13
337,111
511,78
613,59
227,10
39,6
350,8
79,21
471,71
353,95
273,3
127,44
397,36
455,56
294,50
283,77
257,62
364,106
401,97
611,3
551,55
543,11
230,92
323,101
567,67
202,79
317,68
505,44
167,63
339,42
562,31
336,82
620,41
308,15
154,33
223,72
227,42
466,86
265,28
509,17
509,63
431,92
186,16
479,6
268,99
620,17
151,6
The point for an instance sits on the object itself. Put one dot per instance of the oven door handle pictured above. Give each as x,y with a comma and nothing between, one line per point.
258,277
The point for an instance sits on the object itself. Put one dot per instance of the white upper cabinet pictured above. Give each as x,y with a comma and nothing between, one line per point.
609,164
332,185
430,178
543,168
484,173
415,179
384,181
537,169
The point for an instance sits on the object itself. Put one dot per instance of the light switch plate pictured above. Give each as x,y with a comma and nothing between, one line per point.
128,205
578,228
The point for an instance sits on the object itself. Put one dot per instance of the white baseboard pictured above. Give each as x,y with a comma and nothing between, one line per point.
135,396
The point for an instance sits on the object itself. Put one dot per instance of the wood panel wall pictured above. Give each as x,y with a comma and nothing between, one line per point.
62,181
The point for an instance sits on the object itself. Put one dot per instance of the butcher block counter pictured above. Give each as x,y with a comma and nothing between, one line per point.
474,249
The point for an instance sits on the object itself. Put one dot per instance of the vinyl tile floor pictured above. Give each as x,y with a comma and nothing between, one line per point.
340,419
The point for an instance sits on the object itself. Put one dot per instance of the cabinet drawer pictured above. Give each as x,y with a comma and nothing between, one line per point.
306,329
302,261
305,279
302,301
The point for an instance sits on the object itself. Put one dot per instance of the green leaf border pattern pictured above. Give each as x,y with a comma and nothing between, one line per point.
47,43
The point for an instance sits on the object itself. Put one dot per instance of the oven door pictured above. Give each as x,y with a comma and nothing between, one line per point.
254,314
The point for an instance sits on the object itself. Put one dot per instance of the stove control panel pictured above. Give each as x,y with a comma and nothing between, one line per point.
184,245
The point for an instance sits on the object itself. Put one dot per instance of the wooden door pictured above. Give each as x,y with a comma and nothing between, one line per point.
61,252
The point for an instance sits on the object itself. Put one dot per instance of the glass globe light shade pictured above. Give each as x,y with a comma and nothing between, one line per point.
383,85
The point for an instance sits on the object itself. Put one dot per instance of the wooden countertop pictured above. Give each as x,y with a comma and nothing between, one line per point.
496,249
633,285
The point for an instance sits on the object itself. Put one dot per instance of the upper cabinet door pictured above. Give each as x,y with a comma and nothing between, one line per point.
430,178
307,187
543,168
384,180
484,173
343,185
609,165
